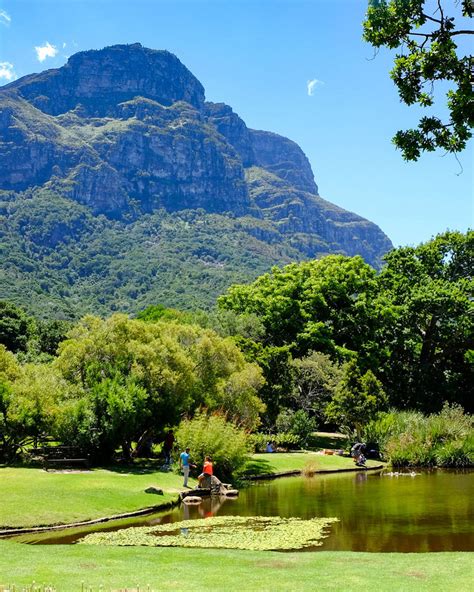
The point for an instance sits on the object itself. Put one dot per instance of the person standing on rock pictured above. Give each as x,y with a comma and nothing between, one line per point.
185,465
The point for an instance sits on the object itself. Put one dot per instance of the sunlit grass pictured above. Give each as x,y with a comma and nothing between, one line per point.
117,568
32,497
277,462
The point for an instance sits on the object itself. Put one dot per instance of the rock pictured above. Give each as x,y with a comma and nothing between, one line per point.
192,499
99,80
233,128
230,492
284,158
154,490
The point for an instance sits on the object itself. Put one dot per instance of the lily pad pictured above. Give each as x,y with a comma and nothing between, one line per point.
257,533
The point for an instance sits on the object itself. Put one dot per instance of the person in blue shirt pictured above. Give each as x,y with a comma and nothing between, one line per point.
185,465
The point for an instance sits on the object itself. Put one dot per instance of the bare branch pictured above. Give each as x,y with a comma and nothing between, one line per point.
430,18
376,51
460,165
440,8
426,35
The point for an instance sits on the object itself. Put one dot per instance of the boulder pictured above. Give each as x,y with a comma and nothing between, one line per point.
192,499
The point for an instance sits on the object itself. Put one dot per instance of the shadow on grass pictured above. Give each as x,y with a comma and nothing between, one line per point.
256,467
319,440
139,467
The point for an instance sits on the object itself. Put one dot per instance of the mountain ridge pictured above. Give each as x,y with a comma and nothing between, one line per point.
127,133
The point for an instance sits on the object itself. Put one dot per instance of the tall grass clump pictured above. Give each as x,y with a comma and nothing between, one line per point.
213,435
409,438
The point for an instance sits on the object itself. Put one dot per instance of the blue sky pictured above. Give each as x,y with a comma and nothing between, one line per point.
258,56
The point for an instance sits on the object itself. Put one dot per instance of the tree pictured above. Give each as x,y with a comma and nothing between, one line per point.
137,377
16,327
298,423
429,53
429,290
315,379
213,435
50,334
28,403
358,399
321,305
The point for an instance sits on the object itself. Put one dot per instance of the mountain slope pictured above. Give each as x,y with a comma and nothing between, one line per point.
121,186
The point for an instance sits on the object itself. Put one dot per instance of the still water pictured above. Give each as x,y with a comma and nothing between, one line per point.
431,511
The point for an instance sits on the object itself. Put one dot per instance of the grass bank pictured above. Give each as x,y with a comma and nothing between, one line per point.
263,464
33,497
204,569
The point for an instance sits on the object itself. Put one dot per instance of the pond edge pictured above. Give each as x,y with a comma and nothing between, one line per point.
5,532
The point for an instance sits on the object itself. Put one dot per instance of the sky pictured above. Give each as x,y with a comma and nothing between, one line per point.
295,67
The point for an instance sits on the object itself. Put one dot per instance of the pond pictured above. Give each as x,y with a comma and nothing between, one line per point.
430,511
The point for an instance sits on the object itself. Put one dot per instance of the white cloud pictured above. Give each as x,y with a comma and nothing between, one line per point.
46,51
7,71
5,18
64,45
311,86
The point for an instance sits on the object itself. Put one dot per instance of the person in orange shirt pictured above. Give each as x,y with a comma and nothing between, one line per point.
207,469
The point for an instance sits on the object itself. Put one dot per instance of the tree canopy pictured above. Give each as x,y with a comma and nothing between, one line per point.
427,35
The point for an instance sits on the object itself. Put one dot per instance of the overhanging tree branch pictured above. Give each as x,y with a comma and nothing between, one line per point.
395,24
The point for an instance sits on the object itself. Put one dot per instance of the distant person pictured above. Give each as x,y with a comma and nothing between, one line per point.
185,465
207,471
270,447
357,453
168,446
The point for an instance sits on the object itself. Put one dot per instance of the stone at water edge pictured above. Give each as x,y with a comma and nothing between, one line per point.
192,499
230,493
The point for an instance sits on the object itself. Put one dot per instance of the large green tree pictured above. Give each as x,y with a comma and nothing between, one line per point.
320,305
427,35
430,339
328,305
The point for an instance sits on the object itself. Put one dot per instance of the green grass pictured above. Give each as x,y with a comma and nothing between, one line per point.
261,464
33,497
65,567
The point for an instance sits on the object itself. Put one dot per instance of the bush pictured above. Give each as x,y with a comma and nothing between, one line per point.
281,440
212,435
459,453
408,438
298,423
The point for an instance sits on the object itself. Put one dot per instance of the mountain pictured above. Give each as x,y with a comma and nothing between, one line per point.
120,186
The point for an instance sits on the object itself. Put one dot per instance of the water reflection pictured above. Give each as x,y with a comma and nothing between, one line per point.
430,512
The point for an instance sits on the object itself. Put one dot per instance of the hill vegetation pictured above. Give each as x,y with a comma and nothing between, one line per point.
329,342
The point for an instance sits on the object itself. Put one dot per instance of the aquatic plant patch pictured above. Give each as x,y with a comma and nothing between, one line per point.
256,533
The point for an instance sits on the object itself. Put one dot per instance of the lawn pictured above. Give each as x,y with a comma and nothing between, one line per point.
66,567
33,497
292,461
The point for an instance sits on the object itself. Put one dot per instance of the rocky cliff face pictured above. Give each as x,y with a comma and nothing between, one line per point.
126,132
99,80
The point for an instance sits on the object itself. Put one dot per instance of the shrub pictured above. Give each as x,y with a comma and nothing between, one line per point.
408,438
281,440
459,453
213,435
298,423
